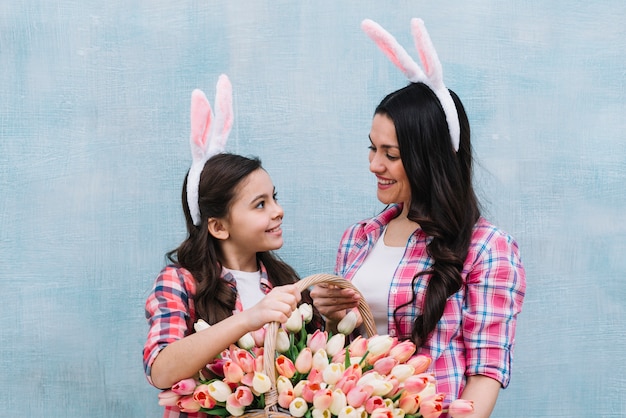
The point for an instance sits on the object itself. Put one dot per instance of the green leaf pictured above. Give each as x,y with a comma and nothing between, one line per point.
222,412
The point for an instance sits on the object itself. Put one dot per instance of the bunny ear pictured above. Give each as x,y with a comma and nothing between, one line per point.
394,51
201,118
223,114
428,54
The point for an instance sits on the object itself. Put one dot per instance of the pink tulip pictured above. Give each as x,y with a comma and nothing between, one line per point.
460,408
244,395
409,402
245,360
385,365
402,351
339,357
187,404
304,361
353,370
217,367
347,382
381,413
374,403
168,398
358,347
359,395
415,384
309,390
285,367
233,373
432,406
317,341
248,379
421,363
202,396
322,399
259,337
185,387
233,406
285,397
315,375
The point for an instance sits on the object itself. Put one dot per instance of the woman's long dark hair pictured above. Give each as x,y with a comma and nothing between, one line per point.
443,201
199,252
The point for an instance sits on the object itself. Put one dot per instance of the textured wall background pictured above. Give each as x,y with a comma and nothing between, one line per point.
94,128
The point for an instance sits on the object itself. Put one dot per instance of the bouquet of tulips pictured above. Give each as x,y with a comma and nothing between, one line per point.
315,376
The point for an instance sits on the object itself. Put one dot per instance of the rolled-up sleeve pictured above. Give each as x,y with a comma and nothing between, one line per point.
167,310
495,293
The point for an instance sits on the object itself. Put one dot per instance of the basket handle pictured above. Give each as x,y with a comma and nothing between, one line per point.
271,398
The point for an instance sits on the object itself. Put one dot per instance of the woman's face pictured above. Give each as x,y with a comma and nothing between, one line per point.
385,162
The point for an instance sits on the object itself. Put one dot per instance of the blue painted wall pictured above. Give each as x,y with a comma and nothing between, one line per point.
94,100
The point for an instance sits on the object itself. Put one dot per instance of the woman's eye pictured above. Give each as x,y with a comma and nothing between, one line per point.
392,157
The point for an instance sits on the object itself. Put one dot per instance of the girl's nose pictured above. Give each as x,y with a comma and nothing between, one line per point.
278,211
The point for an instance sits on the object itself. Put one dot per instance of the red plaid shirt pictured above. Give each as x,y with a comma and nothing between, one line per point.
171,314
476,333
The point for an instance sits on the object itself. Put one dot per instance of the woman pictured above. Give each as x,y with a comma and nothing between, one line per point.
430,267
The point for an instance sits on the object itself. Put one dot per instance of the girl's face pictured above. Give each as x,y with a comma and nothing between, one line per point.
385,162
255,217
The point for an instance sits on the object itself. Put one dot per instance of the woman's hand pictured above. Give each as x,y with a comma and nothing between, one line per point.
276,306
333,302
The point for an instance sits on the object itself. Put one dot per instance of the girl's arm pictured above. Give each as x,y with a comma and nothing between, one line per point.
483,391
183,358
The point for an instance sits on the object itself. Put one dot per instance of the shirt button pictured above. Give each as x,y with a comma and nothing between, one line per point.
394,291
392,333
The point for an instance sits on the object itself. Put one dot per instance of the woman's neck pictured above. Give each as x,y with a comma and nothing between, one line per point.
400,229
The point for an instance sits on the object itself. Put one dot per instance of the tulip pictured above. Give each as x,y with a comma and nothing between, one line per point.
294,323
299,387
200,325
185,387
285,367
298,407
246,342
378,346
333,373
381,413
323,399
379,383
233,373
259,337
402,372
347,383
385,365
168,398
317,413
320,360
359,395
339,402
285,397
398,413
348,412
219,390
233,406
261,382
317,341
306,310
374,403
217,367
415,384
309,390
335,344
460,408
187,404
409,402
421,363
283,384
315,376
429,390
402,351
432,406
348,323
245,359
304,361
202,396
358,347
282,341
353,370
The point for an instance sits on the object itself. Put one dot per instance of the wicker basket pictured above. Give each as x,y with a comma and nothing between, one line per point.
271,397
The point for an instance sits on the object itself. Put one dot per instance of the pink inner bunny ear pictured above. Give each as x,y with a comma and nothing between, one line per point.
392,49
201,118
223,113
427,52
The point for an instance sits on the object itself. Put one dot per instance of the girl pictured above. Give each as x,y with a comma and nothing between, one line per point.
224,271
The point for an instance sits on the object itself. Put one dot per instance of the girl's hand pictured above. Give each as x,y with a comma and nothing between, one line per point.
333,302
276,306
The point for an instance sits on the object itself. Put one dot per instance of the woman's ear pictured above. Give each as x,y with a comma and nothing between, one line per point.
218,229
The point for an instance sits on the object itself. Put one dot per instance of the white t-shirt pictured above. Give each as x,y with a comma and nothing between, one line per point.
248,287
373,279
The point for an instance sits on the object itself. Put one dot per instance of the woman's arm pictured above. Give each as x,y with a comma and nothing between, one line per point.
483,391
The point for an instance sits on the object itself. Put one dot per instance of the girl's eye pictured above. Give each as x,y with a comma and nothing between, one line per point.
275,197
372,148
261,204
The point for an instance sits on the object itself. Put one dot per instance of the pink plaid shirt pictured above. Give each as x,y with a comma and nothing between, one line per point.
171,314
476,333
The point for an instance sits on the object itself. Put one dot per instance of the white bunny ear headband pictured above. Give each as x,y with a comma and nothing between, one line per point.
209,133
432,74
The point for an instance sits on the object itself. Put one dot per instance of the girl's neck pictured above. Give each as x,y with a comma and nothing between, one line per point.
248,264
